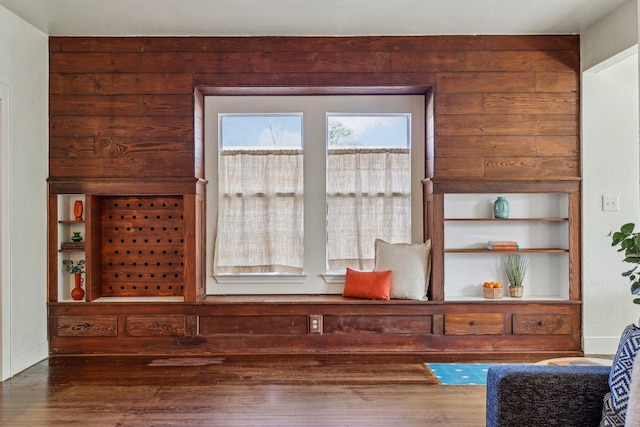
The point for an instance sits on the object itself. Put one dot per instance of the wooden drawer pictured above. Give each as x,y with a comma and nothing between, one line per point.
418,325
544,324
155,326
258,325
87,326
474,324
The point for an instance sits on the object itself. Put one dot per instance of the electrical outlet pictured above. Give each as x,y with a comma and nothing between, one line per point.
610,203
315,323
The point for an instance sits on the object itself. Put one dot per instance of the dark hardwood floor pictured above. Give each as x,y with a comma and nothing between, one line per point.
322,390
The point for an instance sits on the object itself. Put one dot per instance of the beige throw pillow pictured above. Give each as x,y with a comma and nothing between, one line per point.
410,265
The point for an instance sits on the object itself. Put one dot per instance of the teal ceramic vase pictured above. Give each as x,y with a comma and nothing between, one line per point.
501,208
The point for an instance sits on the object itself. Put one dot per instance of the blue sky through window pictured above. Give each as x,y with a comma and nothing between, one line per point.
245,131
379,130
261,131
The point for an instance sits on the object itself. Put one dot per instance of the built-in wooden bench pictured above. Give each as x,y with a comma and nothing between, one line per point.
286,324
305,299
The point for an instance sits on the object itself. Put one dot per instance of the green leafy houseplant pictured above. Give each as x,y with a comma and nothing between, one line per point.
629,243
73,267
515,267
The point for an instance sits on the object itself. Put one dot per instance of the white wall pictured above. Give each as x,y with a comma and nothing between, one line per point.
24,71
610,166
615,33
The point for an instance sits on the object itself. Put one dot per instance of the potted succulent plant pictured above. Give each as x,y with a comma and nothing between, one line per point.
629,242
515,267
77,269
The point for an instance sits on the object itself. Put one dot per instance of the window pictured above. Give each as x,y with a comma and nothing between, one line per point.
260,190
368,186
300,187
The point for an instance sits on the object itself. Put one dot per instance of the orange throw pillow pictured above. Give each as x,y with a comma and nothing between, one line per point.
367,284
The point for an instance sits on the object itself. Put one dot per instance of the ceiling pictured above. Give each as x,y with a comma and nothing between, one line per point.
309,17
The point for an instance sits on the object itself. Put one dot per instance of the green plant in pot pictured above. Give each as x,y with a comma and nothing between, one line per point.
77,269
515,267
74,267
629,242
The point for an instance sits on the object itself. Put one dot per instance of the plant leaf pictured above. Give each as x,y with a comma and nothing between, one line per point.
627,228
617,238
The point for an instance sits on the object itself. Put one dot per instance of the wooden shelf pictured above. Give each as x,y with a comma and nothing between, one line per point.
488,251
552,219
507,299
70,221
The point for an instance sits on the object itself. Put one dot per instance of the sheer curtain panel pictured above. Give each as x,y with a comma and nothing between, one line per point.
261,211
368,197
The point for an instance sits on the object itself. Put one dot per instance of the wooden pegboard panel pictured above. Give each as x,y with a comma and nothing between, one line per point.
142,246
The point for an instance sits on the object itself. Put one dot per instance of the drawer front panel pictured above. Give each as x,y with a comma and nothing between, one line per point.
419,325
87,326
474,324
210,325
155,326
543,324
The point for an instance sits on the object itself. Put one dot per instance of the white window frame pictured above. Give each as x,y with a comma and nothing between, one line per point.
315,279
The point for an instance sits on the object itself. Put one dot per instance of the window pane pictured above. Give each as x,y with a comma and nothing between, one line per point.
373,130
249,131
368,187
260,188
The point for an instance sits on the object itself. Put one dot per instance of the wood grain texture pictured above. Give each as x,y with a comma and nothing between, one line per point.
127,117
557,82
159,325
473,324
73,84
533,324
92,105
319,44
377,324
519,86
142,246
439,330
507,124
86,326
239,391
144,83
485,145
488,82
93,44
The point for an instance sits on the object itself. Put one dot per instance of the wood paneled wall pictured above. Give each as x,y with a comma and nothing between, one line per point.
505,106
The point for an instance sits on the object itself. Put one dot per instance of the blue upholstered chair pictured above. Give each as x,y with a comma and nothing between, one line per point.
542,395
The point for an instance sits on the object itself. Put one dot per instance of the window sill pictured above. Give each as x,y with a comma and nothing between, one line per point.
249,279
334,278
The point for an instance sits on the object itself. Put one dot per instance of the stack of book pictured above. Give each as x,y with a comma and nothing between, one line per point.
72,245
502,246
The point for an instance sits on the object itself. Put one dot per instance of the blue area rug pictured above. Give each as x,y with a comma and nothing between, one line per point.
460,373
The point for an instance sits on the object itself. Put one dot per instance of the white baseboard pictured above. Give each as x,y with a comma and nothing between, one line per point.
601,345
29,357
